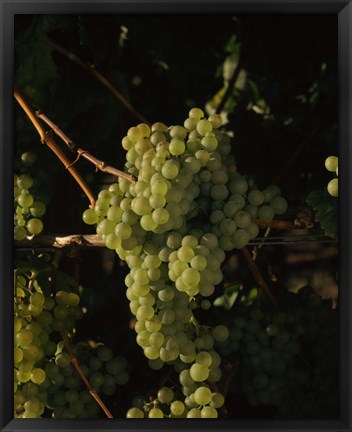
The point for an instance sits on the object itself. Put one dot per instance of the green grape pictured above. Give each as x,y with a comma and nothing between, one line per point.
165,395
194,413
209,412
38,376
19,233
266,213
177,408
170,169
37,209
279,205
217,400
256,197
204,358
62,360
331,163
155,413
24,338
220,333
196,113
24,181
204,126
25,199
202,396
90,217
199,372
333,187
177,147
28,159
35,226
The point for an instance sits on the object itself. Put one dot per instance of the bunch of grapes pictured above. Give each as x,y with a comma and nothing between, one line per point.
172,226
29,209
68,396
331,164
202,404
288,357
45,381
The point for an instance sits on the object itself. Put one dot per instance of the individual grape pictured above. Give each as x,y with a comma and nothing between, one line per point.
19,233
165,395
266,213
209,412
135,413
220,333
28,159
177,408
24,181
202,396
217,400
24,338
199,372
155,413
279,205
25,199
204,127
333,187
90,217
204,358
256,197
196,113
170,169
331,163
37,209
242,219
38,376
194,413
35,226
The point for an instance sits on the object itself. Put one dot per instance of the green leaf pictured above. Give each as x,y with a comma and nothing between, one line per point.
227,300
325,207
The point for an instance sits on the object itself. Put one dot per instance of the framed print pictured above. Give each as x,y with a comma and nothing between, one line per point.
175,215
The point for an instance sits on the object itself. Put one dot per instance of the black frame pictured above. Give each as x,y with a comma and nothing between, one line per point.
343,10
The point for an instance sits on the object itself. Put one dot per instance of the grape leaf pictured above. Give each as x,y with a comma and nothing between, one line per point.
227,300
325,207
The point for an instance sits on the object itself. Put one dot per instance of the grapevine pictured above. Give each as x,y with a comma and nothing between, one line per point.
155,271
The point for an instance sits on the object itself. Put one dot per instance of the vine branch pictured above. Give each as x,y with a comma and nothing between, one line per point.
47,138
101,78
259,278
280,224
99,164
74,361
58,242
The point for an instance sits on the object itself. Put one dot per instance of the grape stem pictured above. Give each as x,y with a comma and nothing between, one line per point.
74,361
101,78
259,278
47,138
100,165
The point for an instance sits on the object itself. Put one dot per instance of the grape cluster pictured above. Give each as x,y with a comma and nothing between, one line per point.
68,396
172,226
288,357
36,317
331,164
202,404
45,381
29,209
